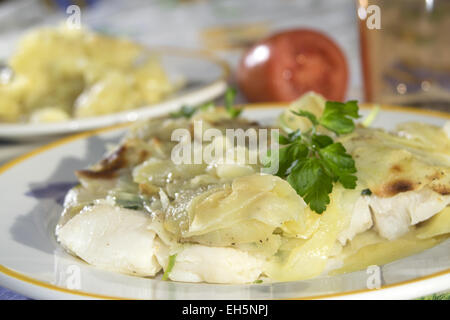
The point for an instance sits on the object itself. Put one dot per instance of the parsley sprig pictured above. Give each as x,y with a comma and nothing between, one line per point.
313,162
230,96
187,111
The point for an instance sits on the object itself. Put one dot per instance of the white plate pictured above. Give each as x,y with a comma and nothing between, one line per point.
32,263
204,77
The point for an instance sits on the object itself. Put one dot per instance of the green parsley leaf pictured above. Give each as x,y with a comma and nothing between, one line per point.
230,96
312,162
284,140
128,200
291,137
312,183
321,141
188,111
340,164
307,114
184,112
337,116
289,155
169,268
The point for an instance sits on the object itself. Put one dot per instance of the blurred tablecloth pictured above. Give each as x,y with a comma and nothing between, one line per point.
6,294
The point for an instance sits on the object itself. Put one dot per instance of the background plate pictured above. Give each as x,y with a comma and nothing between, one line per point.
32,263
204,77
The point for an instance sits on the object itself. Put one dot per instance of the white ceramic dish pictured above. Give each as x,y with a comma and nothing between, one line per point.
32,263
204,78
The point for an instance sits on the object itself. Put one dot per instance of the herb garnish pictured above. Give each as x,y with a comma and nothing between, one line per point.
230,96
189,111
312,162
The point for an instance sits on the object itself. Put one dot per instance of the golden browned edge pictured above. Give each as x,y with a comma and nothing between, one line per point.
27,279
